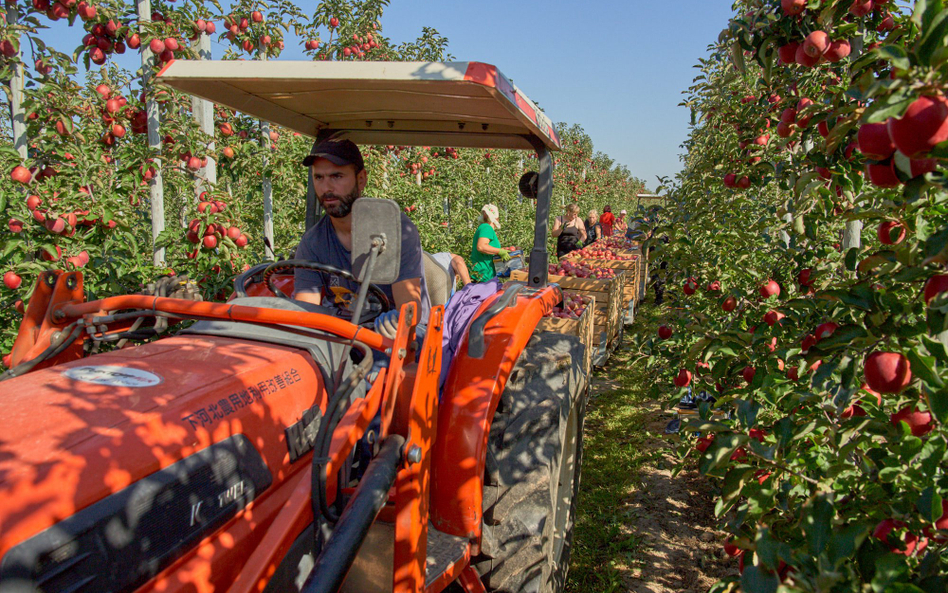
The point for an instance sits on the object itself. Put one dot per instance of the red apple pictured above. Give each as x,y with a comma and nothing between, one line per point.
804,59
683,379
816,44
769,289
825,330
883,174
924,125
157,45
256,16
856,409
885,232
934,286
210,241
860,8
20,174
910,540
792,7
788,53
874,141
804,277
919,422
665,332
748,373
837,50
12,280
887,372
730,180
772,317
744,182
729,304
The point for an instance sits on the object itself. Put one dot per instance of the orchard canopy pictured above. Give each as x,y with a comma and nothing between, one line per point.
107,170
807,239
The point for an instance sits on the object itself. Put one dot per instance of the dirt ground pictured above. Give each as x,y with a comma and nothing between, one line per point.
673,516
640,529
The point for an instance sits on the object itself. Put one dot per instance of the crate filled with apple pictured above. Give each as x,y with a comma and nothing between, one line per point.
574,317
602,286
612,253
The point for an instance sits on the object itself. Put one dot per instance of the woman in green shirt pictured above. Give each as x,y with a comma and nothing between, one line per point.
486,245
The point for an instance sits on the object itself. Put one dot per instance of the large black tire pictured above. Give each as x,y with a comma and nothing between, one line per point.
533,469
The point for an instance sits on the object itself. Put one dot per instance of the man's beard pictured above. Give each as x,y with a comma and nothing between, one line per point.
343,206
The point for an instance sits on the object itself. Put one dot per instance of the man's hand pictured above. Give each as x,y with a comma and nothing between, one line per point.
386,324
504,255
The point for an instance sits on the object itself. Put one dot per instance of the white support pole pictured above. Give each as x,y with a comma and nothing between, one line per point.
155,187
17,114
267,185
203,111
852,236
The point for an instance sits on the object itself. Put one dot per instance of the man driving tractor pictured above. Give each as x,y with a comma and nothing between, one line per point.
339,177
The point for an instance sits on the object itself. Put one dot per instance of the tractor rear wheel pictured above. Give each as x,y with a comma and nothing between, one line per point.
532,469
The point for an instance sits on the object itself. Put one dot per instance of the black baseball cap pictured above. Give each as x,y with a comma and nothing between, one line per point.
338,151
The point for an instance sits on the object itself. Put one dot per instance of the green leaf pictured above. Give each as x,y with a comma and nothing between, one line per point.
931,456
929,504
733,483
923,367
896,55
893,105
933,37
755,579
938,403
817,522
844,542
747,412
843,336
720,451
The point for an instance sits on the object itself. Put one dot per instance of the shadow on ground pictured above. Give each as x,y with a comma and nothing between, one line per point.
639,529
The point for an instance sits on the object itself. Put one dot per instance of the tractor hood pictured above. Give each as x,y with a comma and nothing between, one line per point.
124,430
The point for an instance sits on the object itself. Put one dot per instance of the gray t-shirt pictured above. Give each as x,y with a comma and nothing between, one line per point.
320,244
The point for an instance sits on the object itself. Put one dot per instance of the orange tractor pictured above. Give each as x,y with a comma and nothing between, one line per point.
222,456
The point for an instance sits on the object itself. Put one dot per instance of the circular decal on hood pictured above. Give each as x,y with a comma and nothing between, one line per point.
113,376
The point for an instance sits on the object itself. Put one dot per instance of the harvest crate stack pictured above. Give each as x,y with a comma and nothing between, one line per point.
582,328
634,268
607,321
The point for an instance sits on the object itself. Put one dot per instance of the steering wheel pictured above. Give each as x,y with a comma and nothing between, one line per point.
271,269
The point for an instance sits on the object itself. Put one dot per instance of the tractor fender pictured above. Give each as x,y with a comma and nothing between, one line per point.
468,401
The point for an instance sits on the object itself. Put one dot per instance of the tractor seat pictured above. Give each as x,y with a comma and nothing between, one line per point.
439,279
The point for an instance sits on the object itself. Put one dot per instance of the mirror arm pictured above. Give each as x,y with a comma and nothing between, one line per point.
378,244
539,257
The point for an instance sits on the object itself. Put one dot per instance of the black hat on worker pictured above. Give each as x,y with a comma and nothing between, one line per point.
338,151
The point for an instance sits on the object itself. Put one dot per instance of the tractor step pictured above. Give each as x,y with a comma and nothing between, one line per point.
447,557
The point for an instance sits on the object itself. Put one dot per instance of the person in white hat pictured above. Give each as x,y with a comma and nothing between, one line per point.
620,225
486,245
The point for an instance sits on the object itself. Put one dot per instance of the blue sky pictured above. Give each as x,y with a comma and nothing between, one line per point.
615,67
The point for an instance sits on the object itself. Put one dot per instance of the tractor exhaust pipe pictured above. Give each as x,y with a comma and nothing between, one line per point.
340,551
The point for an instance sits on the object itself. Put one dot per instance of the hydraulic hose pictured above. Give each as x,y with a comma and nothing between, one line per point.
370,496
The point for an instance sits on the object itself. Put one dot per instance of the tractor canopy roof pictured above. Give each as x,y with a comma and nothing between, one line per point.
464,104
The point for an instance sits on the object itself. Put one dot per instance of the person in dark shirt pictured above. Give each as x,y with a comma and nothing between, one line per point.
339,177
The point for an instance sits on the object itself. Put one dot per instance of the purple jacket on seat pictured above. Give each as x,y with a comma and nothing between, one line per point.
457,317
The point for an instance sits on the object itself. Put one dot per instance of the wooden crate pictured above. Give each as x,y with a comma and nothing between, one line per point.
608,318
632,268
582,328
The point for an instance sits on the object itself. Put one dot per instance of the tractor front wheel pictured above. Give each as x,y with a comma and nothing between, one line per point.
532,470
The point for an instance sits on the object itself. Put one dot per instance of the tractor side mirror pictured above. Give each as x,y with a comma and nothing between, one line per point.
529,184
376,222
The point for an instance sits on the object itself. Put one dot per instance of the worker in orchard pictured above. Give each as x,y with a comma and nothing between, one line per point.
339,178
569,231
487,245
